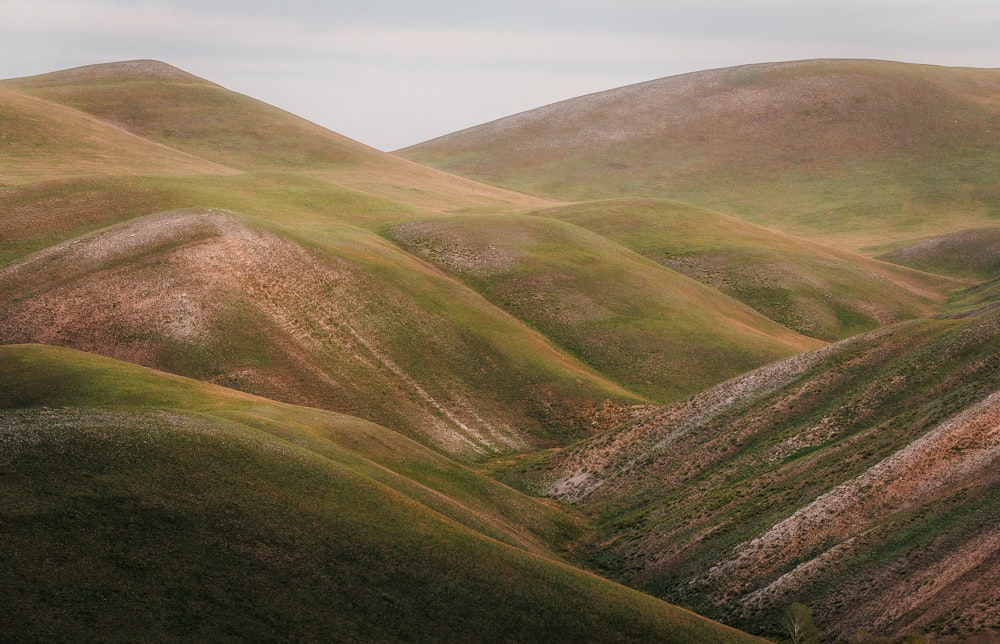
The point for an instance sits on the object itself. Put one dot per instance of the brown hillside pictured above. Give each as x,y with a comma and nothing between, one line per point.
203,294
854,152
861,479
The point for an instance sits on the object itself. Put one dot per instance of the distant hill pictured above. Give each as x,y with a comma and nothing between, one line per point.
165,105
816,290
856,153
971,253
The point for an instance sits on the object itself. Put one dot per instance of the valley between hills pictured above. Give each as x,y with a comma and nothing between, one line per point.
651,364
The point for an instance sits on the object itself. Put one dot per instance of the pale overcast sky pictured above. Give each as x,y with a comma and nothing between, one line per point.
391,73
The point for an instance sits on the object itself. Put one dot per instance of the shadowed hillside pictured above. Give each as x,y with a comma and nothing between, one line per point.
860,479
291,529
855,153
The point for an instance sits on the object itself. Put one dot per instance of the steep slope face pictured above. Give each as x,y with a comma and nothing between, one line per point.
356,326
861,479
165,105
649,328
856,153
147,507
815,290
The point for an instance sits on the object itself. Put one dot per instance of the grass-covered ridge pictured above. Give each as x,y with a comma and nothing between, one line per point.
345,321
649,328
855,153
168,108
816,290
159,508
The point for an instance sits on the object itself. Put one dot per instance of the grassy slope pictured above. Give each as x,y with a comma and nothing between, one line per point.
390,342
813,289
971,254
165,105
302,183
41,139
649,328
47,212
286,531
182,111
859,154
345,321
860,479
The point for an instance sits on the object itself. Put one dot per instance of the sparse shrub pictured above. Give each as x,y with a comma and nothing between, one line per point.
798,624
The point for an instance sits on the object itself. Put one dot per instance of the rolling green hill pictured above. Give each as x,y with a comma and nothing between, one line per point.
858,154
972,254
139,505
815,290
437,330
168,107
649,328
344,321
40,139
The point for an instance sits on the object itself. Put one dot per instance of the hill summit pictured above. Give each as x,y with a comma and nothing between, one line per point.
853,152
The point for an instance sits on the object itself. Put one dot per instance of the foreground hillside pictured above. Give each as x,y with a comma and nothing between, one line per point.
861,479
855,153
152,507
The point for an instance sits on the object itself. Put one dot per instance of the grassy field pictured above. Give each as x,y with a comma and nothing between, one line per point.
150,507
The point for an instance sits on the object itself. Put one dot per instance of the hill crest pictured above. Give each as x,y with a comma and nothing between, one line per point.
816,148
125,70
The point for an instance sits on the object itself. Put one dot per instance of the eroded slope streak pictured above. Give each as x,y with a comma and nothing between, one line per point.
861,479
203,294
